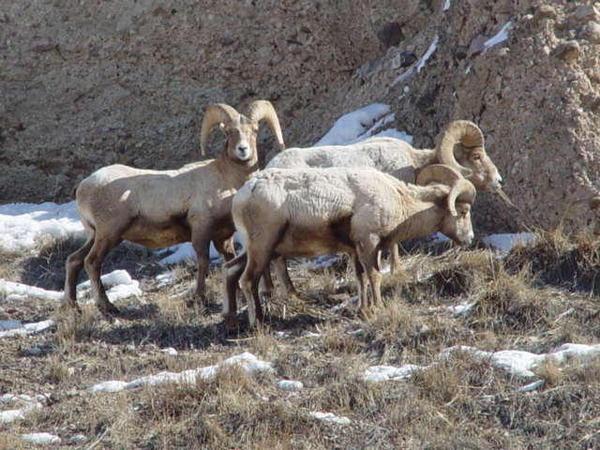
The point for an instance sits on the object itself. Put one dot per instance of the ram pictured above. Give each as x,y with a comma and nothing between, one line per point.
460,146
311,212
161,208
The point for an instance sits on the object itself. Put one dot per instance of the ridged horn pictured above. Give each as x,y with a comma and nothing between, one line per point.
260,110
459,131
460,187
462,190
438,173
215,114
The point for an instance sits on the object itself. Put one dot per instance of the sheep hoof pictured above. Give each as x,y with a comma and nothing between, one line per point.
265,295
108,309
68,307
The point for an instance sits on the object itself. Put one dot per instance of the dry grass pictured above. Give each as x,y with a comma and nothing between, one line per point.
459,402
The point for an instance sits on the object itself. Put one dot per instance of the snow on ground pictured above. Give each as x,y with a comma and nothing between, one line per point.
515,362
27,329
330,418
407,74
290,385
361,124
27,405
446,6
119,283
247,361
498,38
462,309
384,373
432,48
504,242
41,438
22,225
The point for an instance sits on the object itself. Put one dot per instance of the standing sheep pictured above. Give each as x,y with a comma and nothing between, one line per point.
311,212
461,147
162,208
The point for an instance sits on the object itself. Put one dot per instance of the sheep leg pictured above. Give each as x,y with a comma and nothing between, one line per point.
282,274
93,267
258,262
395,263
361,277
265,286
232,276
74,265
367,254
201,245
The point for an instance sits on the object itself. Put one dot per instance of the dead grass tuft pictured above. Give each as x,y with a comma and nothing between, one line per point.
560,259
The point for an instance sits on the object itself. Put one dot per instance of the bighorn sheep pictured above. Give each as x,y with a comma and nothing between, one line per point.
310,212
461,146
161,208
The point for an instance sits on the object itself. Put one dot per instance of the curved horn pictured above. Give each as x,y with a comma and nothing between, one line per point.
438,173
459,131
260,110
215,114
462,190
595,202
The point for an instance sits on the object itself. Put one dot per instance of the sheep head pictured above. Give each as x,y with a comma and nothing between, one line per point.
240,130
462,148
459,197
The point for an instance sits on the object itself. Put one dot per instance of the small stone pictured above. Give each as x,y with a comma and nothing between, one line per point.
545,12
407,59
585,13
568,51
591,32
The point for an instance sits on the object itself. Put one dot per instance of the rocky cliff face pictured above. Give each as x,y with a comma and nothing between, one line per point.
88,84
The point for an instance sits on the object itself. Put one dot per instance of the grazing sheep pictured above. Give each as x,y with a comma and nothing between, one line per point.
311,212
461,146
162,208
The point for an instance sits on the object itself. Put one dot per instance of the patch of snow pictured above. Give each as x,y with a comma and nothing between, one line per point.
462,309
166,278
428,53
521,363
41,438
351,126
185,253
78,439
169,351
504,242
330,418
499,37
119,283
446,6
320,262
10,324
532,386
22,225
290,385
375,374
27,329
310,334
12,415
393,133
247,361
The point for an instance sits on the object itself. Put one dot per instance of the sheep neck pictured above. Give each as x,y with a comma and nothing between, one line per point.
425,219
236,173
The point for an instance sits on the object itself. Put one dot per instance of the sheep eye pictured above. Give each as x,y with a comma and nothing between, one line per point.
476,157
